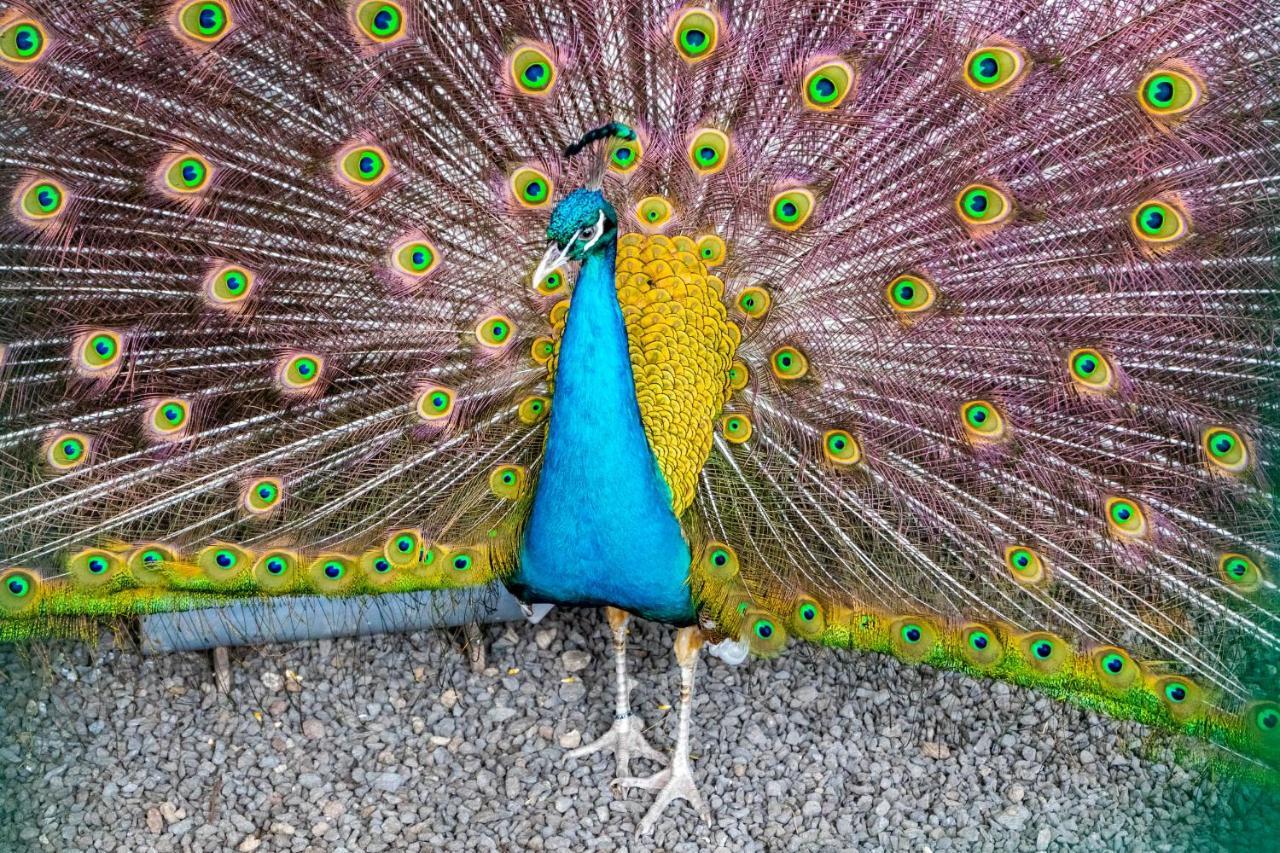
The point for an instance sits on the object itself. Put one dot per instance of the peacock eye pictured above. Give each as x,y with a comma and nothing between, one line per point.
1241,572
530,187
625,155
993,67
18,588
827,85
365,166
910,294
551,284
979,640
754,302
790,209
1225,449
225,559
982,205
911,633
712,250
1126,518
739,375
1158,223
169,417
414,258
230,285
506,481
1168,92
186,174
261,496
696,33
720,561
299,372
1176,691
380,21
1090,369
276,566
735,428
67,450
41,199
789,363
532,71
22,41
1113,664
841,448
653,211
435,403
981,420
205,21
99,353
462,562
495,331
708,151
1026,566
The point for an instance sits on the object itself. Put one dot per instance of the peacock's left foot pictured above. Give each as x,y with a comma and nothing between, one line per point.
627,741
673,783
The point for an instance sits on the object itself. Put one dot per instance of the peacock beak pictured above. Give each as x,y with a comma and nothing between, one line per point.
552,261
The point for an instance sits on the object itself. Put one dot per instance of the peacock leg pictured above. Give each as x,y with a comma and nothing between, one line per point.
626,737
676,781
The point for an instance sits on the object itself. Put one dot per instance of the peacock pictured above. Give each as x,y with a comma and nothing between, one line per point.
947,331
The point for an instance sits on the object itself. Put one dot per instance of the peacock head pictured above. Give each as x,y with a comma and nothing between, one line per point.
583,222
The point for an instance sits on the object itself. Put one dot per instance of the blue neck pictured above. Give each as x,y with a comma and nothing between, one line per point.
601,530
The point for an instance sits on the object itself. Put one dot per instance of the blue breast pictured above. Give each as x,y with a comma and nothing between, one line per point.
601,530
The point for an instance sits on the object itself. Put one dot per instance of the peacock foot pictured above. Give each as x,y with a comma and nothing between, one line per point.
626,739
673,783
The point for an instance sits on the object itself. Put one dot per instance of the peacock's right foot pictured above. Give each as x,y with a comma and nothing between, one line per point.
626,739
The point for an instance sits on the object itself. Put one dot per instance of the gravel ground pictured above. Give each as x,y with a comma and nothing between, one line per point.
392,743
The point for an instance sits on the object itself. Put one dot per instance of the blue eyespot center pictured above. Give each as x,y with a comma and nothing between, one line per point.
988,68
275,566
333,571
223,559
45,197
789,209
1043,650
17,587
978,203
1177,693
1164,92
102,348
913,635
381,565
404,543
97,565
1155,219
1123,513
695,38
535,72
979,642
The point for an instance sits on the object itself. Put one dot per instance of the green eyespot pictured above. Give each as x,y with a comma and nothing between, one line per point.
719,561
22,40
653,211
435,402
98,353
982,421
532,71
205,22
1126,518
982,206
827,85
150,564
909,294
229,286
624,155
414,259
39,200
708,151
94,568
1168,93
808,620
19,591
380,21
991,68
186,174
790,209
553,284
1240,572
1116,671
276,571
841,448
1263,719
1225,449
332,574
531,188
1026,566
754,302
262,496
507,481
739,375
542,349
495,331
735,428
364,166
167,418
913,639
981,648
67,450
1181,697
695,34
1046,653
788,363
299,372
224,564
711,250
765,634
1090,370
404,548
533,410
1158,224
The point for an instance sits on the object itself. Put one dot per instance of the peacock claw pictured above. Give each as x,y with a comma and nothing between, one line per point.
673,783
626,739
